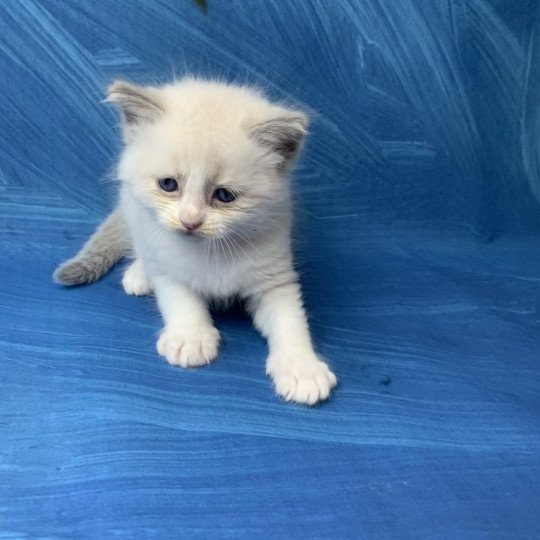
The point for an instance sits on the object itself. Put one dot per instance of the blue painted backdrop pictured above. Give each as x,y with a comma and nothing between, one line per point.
417,237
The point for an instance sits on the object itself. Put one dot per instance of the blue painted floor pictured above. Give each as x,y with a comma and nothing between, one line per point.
417,240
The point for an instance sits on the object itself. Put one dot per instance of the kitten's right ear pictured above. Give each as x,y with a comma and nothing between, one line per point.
283,134
137,104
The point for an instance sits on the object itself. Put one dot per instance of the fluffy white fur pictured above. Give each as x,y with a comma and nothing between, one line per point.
208,135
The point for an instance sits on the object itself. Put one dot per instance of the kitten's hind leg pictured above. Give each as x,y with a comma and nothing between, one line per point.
135,281
189,338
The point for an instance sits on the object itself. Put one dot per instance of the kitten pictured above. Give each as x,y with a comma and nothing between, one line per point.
205,209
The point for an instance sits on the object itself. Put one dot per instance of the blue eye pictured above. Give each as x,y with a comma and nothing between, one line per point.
168,184
224,195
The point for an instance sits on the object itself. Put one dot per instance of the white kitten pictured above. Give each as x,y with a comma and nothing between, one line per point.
205,207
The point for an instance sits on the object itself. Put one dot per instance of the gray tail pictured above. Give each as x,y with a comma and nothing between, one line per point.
102,251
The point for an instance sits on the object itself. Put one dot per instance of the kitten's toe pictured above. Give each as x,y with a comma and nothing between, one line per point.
135,281
306,382
189,347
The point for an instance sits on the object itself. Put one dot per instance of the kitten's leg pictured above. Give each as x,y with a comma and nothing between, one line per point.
298,374
135,281
189,338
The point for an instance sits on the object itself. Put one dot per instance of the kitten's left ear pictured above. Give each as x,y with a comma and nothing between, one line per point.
283,134
138,104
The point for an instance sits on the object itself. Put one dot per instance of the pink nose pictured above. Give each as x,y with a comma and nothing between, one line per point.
191,225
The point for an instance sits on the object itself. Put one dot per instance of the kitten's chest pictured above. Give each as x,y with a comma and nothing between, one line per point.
206,269
211,268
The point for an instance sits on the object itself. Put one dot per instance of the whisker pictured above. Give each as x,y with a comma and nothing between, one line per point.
223,249
246,240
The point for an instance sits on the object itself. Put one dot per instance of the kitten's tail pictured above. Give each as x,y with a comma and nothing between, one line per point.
102,251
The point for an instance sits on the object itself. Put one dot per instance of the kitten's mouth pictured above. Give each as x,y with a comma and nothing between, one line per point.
194,233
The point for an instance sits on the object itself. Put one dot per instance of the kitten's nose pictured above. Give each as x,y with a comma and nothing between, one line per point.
191,225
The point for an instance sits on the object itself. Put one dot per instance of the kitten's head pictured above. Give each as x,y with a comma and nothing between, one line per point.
210,159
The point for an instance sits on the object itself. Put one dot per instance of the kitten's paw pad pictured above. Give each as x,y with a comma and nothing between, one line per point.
302,382
189,347
135,281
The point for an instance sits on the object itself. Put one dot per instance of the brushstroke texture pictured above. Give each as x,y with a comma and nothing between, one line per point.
418,244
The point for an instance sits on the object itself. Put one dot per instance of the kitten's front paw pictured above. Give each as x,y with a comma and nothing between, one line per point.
305,381
135,281
189,347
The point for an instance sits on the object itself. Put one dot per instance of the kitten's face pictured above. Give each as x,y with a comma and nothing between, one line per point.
204,183
210,160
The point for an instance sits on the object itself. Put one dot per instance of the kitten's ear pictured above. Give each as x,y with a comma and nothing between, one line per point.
283,134
137,104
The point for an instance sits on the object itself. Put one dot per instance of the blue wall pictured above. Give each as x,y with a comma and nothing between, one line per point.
425,112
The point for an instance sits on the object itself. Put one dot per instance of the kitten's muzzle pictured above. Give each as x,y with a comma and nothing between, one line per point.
191,226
